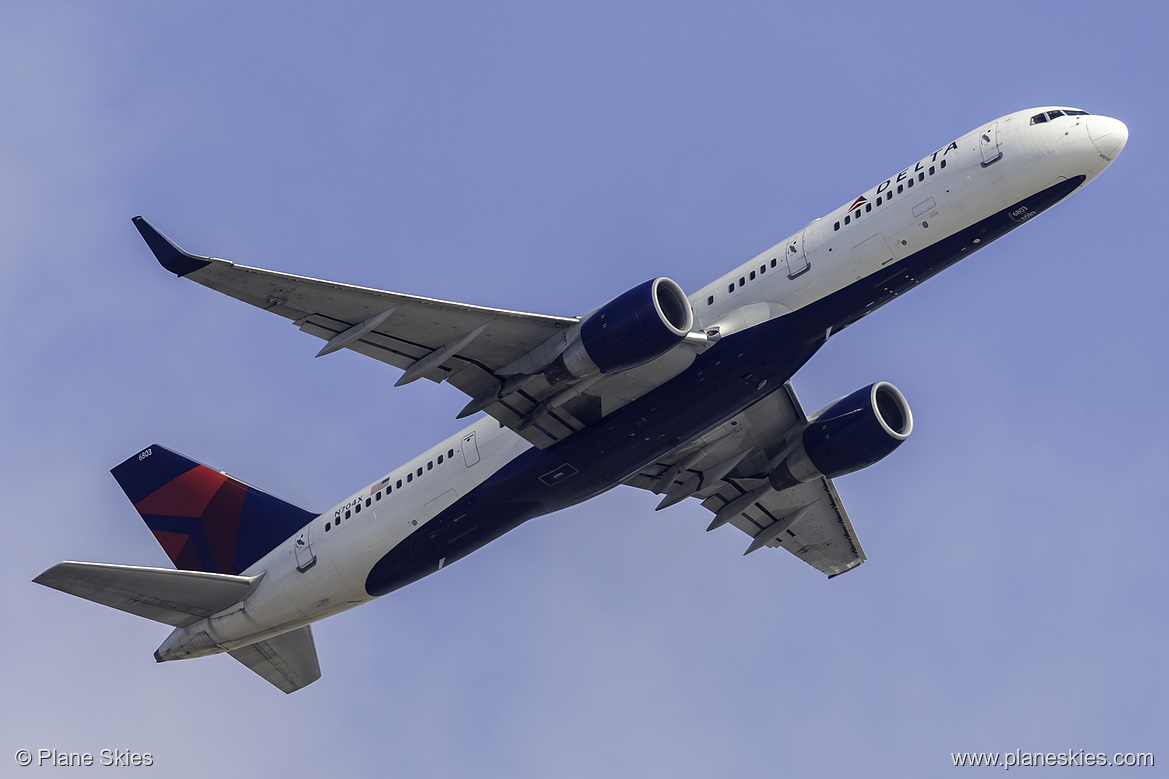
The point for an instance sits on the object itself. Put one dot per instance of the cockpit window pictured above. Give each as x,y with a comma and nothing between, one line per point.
1041,118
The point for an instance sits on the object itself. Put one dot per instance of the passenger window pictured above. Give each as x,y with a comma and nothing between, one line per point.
868,207
943,163
328,526
762,269
773,262
409,477
730,288
879,201
710,300
909,183
419,470
858,213
836,226
450,452
752,275
900,188
347,514
440,459
430,465
847,218
368,502
742,281
399,484
931,170
378,496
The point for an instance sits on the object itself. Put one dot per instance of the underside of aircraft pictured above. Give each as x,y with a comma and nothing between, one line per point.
686,396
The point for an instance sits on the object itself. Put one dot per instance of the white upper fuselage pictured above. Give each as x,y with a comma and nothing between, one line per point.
998,165
942,193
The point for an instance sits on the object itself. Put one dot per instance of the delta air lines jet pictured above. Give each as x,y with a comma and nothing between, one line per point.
686,396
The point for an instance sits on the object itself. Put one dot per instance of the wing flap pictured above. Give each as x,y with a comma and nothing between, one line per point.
289,661
808,520
174,597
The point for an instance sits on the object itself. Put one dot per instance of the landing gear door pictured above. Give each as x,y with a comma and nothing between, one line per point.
988,144
305,556
797,260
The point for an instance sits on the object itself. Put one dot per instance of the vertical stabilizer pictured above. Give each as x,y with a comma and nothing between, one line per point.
204,519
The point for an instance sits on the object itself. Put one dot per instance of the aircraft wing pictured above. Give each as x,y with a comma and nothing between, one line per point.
469,346
494,355
727,471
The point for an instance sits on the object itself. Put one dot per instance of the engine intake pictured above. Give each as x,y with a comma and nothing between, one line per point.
853,433
630,330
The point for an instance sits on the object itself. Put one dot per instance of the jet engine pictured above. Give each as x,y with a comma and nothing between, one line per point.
630,330
852,433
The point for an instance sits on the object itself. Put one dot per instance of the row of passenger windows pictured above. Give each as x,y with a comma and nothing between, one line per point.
1041,118
888,196
847,220
743,280
389,488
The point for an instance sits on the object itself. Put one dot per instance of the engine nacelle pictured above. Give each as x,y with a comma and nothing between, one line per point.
630,330
852,433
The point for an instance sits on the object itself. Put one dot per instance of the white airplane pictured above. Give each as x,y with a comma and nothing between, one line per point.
685,396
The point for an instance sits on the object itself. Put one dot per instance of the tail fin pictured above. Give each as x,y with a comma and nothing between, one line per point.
204,519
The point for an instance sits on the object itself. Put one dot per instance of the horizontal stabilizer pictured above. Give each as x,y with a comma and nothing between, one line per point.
288,661
177,598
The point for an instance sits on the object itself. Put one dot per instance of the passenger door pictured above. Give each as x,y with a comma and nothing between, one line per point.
470,450
796,258
988,144
305,556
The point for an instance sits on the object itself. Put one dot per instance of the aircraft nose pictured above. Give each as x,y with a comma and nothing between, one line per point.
1108,135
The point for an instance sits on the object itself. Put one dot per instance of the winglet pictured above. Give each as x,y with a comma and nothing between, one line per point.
169,255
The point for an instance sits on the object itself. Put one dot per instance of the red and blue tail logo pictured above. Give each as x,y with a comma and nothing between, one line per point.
204,519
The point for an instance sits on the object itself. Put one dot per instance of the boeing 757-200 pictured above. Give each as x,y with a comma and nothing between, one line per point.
687,396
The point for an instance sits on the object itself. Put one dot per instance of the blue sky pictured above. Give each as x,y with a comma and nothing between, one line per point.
547,159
